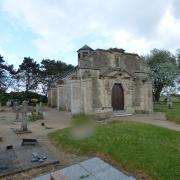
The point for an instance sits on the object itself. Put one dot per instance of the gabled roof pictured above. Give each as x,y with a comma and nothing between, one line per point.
85,47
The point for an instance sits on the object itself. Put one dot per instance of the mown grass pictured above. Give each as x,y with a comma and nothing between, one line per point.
138,148
171,114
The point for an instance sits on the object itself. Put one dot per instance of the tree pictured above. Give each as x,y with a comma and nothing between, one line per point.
164,70
28,72
5,74
178,63
52,70
178,57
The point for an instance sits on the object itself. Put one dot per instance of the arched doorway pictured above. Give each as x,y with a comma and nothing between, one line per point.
117,97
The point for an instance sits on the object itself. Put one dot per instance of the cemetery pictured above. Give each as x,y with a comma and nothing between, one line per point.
31,146
89,90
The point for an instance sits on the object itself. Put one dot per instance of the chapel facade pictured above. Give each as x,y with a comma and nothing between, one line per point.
103,82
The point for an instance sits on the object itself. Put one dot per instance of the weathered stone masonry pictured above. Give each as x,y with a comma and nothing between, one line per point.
88,88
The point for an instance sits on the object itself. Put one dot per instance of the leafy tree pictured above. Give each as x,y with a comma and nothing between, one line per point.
5,74
52,70
178,57
28,72
164,70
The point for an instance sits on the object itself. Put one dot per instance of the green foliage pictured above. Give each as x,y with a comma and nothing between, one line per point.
52,70
171,114
164,70
5,75
4,97
139,148
29,73
35,116
81,119
178,57
52,67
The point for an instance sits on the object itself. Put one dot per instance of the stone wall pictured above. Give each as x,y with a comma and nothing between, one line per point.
102,59
89,89
53,97
49,97
75,96
62,97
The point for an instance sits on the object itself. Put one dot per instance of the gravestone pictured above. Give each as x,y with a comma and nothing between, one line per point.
37,108
169,101
24,116
39,111
17,109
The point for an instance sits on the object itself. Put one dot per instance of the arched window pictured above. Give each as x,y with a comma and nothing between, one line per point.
116,61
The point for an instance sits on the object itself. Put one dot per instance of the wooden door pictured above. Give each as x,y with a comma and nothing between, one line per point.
117,97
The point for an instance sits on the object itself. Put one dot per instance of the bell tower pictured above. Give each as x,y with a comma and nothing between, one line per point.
83,52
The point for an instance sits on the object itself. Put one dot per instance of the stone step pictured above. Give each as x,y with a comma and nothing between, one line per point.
121,113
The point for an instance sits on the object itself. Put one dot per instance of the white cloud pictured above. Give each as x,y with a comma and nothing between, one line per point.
9,57
137,26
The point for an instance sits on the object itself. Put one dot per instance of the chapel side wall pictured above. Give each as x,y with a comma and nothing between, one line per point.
62,97
148,97
53,97
76,97
49,97
86,96
143,97
101,107
96,91
68,105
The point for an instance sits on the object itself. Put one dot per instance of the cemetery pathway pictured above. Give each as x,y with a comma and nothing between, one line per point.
156,118
53,120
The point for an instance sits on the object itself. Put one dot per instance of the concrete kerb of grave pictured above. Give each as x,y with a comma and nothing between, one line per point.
22,158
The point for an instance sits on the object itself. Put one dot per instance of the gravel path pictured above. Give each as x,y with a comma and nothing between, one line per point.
53,120
156,118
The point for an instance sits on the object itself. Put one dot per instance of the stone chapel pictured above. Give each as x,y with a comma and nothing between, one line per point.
105,81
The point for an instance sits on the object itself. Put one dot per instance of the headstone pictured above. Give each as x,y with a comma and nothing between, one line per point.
37,108
39,111
24,116
40,104
169,101
17,111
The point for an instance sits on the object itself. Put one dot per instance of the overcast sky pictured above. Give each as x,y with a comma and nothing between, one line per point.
56,29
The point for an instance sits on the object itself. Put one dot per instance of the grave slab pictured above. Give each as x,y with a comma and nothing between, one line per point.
19,158
92,169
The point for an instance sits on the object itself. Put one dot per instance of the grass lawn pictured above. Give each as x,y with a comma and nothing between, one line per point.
138,148
171,114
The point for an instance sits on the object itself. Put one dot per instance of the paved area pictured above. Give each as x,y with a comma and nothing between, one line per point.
19,158
156,118
57,120
92,169
54,120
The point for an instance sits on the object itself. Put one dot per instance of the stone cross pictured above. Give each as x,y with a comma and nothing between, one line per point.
24,116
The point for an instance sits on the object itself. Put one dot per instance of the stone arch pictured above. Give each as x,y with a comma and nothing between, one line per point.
126,90
117,97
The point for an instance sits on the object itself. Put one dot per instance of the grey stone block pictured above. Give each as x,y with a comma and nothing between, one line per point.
94,165
75,172
111,173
